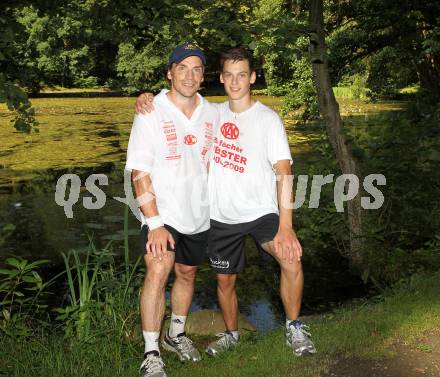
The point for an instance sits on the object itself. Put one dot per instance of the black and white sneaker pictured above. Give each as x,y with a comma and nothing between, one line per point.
152,366
182,346
299,339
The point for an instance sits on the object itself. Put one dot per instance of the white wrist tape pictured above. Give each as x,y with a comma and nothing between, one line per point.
154,222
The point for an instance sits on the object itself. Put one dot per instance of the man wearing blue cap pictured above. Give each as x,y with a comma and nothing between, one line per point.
251,154
168,153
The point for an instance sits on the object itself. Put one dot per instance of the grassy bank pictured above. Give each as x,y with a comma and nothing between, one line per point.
365,330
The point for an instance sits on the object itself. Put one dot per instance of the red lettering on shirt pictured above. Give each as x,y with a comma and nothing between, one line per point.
190,139
230,131
169,131
229,157
208,140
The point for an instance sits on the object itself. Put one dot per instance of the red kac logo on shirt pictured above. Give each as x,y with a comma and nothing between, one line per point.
190,139
230,131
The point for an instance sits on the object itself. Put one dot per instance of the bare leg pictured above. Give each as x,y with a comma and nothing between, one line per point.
183,288
292,283
227,298
153,291
181,297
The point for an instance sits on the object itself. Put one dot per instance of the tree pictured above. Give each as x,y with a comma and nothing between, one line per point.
362,30
155,29
10,92
329,109
56,48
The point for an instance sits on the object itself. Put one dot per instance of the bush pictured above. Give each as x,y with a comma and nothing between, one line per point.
402,236
86,82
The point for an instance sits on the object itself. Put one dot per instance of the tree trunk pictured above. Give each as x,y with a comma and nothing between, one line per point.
329,109
429,77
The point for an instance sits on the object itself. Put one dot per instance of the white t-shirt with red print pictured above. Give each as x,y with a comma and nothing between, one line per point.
175,151
242,181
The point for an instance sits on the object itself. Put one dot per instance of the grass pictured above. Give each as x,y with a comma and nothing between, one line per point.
412,89
353,92
60,89
364,330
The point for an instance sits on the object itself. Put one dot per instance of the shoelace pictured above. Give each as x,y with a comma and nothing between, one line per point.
300,332
183,343
225,339
152,364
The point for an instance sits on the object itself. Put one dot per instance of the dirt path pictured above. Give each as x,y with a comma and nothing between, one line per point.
423,360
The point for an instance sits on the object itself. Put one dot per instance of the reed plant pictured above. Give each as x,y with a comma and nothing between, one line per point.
102,291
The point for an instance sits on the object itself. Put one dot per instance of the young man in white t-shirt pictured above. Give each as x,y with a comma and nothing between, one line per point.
250,187
168,154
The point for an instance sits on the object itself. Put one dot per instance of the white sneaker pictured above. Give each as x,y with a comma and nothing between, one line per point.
152,366
225,342
182,346
299,339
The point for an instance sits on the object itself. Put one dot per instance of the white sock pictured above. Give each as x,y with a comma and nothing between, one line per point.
151,339
235,334
177,325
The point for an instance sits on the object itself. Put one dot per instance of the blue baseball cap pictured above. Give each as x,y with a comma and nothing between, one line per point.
184,50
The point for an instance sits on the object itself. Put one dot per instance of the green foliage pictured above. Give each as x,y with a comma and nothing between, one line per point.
283,48
21,290
82,277
86,82
278,28
10,93
301,93
5,232
89,43
219,25
386,74
139,68
354,87
18,101
402,237
393,45
361,331
431,44
100,289
142,57
56,48
396,263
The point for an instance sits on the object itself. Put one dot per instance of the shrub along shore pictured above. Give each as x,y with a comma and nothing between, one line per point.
113,347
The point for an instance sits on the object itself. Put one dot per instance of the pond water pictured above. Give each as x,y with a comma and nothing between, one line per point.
87,136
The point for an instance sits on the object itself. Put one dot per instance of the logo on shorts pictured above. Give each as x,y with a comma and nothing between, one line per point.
230,131
216,262
190,139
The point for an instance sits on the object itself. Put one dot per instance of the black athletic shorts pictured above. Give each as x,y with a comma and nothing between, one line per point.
226,242
190,249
